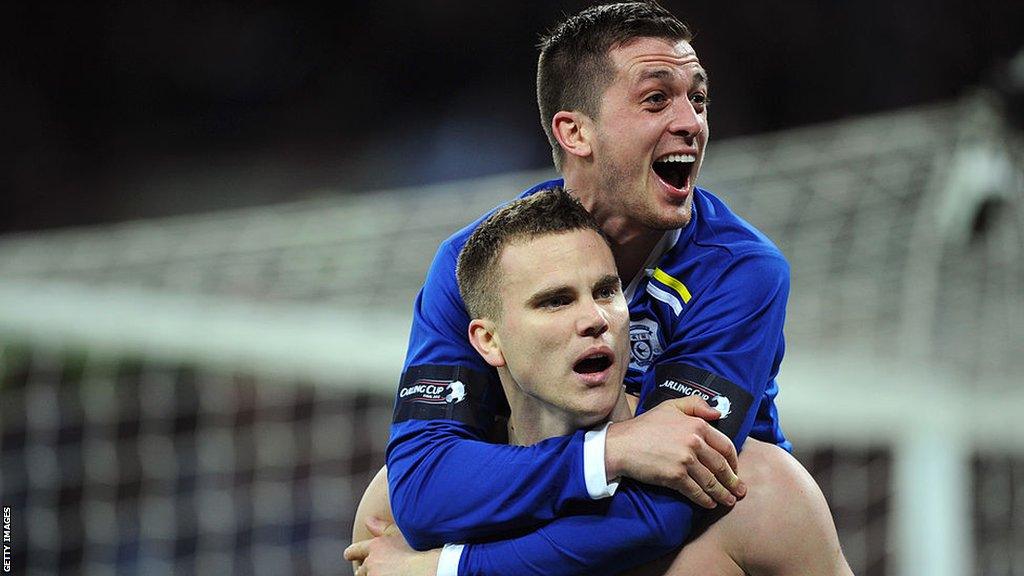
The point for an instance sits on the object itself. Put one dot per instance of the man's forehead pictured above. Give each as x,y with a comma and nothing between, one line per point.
641,55
541,246
533,259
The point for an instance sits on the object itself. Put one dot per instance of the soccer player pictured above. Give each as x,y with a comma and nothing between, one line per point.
549,314
624,101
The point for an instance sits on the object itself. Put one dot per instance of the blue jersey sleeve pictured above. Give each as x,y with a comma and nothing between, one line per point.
639,524
447,484
732,348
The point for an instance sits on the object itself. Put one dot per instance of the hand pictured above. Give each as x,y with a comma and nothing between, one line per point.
376,526
674,446
388,554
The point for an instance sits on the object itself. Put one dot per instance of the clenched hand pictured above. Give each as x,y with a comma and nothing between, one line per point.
673,446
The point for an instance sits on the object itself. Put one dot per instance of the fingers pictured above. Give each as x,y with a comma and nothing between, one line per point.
358,551
696,406
718,462
710,484
687,487
723,462
722,445
708,473
380,527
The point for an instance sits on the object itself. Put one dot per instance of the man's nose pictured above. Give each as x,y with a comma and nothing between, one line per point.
686,121
592,322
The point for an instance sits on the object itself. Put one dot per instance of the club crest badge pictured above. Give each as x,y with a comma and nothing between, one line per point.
645,345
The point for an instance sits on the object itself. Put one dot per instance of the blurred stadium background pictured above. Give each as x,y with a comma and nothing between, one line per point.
196,372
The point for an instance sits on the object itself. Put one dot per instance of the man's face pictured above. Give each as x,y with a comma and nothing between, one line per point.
651,133
564,325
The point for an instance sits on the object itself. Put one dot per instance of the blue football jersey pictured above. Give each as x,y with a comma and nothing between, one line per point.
706,318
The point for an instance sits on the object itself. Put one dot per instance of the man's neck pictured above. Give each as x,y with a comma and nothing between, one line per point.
529,423
632,242
630,256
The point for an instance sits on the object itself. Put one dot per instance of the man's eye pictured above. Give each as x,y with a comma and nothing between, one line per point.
656,98
700,98
555,302
606,293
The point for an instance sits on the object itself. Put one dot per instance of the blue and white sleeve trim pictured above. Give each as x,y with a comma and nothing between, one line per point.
448,563
594,475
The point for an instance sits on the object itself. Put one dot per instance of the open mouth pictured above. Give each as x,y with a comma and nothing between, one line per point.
593,364
674,169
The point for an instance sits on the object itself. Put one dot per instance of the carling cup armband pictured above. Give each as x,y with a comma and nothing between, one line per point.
435,392
681,380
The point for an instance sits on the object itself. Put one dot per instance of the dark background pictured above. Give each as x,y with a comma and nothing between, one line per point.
118,110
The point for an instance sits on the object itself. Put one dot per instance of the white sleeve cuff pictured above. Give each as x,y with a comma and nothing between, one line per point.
598,485
448,563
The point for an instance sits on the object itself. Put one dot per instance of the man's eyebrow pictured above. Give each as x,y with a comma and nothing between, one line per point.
548,293
700,77
653,74
608,281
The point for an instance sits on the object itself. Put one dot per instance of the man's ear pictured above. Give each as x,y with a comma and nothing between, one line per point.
573,130
484,338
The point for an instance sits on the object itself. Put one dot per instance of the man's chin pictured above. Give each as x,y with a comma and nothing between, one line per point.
667,214
590,416
669,219
679,215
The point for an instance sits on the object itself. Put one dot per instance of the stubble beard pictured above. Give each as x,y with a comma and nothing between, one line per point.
637,205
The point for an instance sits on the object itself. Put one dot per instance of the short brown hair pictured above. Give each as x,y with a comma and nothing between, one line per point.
551,211
573,69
